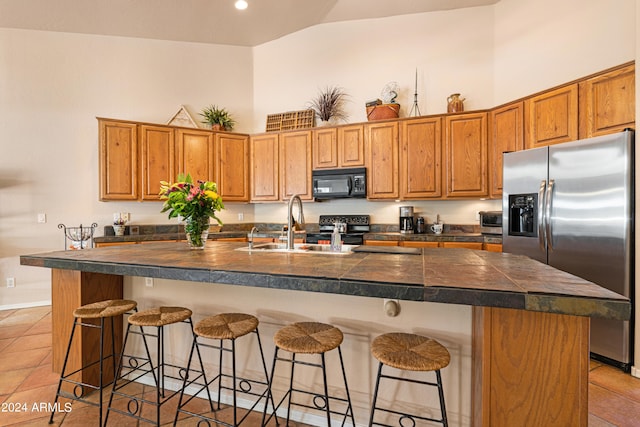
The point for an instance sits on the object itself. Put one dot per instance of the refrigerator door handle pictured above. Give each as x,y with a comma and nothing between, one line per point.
547,214
541,217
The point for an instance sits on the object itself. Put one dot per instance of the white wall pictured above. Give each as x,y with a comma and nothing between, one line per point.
52,86
541,44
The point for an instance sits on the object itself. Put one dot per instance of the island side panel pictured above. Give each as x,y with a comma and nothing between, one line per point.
530,368
71,289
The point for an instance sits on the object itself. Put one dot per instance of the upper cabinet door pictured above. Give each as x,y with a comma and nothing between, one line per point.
552,117
506,134
295,165
608,102
118,160
232,173
381,146
325,148
265,154
420,158
465,155
196,153
351,146
157,153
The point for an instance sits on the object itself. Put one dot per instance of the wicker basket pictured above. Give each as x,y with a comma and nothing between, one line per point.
383,112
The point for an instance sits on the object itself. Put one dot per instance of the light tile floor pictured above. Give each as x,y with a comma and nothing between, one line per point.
26,379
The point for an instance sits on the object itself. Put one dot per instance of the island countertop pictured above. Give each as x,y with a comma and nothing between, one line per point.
453,276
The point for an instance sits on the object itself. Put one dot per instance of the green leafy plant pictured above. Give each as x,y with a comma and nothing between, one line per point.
329,104
218,116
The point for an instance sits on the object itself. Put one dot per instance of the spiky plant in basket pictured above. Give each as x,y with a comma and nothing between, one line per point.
329,104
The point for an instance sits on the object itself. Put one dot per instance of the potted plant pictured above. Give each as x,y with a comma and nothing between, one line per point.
328,105
218,118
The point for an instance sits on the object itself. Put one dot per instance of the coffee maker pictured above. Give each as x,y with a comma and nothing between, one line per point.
406,219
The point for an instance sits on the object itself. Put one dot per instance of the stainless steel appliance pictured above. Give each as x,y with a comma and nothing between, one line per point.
406,219
572,206
491,222
353,234
339,183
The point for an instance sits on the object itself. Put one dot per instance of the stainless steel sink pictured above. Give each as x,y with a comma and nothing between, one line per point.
299,248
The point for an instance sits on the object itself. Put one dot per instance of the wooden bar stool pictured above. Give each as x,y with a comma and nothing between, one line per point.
133,367
98,310
310,338
224,327
409,352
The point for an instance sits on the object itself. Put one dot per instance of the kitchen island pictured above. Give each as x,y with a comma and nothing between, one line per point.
530,322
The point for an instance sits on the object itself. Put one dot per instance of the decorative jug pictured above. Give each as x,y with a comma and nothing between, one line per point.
455,103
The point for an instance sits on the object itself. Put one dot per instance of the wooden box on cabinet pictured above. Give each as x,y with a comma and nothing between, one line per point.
118,160
295,165
232,171
608,102
381,146
465,155
506,134
552,117
265,183
420,158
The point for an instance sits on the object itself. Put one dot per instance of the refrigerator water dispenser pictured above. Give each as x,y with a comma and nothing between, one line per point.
523,214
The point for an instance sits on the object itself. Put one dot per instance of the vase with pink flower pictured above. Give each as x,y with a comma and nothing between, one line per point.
196,202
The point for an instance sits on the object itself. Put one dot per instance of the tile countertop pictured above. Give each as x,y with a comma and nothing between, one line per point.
452,276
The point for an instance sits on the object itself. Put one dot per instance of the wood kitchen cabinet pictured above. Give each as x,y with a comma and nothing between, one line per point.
506,134
195,149
341,147
232,172
325,148
157,154
420,158
465,155
608,102
118,143
381,148
552,117
295,165
265,176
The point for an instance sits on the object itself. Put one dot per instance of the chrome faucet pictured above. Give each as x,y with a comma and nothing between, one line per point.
290,231
254,229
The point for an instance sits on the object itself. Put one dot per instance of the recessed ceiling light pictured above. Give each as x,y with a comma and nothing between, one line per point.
241,4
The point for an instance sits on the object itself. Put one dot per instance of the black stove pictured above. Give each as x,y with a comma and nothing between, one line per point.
357,225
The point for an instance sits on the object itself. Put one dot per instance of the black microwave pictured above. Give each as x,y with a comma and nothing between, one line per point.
339,183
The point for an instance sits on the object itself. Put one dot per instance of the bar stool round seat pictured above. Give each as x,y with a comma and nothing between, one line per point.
410,352
226,326
135,366
311,338
101,309
308,337
107,309
160,316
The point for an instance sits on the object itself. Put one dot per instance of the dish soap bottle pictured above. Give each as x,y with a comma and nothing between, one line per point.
336,241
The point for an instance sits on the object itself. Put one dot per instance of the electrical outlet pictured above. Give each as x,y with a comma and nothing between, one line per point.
11,282
148,282
240,216
42,218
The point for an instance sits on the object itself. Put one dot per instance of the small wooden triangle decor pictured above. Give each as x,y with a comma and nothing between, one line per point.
182,118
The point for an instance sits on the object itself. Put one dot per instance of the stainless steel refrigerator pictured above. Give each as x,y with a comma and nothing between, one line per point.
571,206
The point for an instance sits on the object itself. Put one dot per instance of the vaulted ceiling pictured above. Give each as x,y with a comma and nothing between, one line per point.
205,21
